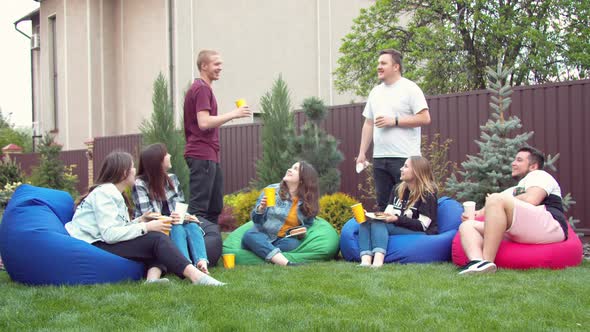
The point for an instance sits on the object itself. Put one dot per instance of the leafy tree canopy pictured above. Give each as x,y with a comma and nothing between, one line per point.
447,44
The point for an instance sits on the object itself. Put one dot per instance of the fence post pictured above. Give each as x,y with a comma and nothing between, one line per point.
90,155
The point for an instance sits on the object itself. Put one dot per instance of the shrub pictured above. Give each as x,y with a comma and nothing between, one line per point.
9,171
226,221
6,192
437,153
242,204
161,128
277,130
335,208
366,188
317,147
51,172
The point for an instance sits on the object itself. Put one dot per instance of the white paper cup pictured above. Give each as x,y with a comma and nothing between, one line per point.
469,209
181,209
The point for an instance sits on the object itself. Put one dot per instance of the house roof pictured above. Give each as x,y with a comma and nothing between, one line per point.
28,17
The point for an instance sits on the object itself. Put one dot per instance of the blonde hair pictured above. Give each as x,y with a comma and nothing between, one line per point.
204,57
424,181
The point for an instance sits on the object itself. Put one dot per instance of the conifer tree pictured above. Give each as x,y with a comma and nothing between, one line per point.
318,148
161,128
277,130
51,172
489,171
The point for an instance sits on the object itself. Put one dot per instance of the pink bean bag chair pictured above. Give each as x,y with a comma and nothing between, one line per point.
512,255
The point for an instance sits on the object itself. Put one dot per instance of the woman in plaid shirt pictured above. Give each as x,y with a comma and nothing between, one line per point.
156,190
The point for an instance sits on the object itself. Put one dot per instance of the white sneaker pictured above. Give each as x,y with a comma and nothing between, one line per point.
479,267
157,281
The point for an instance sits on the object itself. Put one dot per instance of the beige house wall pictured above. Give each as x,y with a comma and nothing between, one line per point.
110,52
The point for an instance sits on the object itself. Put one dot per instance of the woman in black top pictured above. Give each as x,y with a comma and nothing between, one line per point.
412,209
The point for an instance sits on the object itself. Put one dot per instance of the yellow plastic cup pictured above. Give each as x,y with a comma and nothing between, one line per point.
240,103
359,213
270,196
167,220
229,261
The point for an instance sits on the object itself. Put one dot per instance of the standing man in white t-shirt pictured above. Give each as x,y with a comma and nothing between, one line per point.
531,212
394,113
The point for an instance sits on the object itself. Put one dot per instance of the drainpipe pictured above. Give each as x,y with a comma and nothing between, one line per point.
171,53
32,83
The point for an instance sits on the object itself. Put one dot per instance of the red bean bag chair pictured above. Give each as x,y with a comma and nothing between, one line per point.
512,255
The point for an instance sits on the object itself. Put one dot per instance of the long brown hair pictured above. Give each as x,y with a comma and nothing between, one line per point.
114,169
424,181
307,190
150,170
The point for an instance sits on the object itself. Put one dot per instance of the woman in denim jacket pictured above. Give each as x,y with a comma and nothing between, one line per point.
156,190
297,204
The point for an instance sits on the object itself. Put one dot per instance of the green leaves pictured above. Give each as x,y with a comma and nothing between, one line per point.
447,44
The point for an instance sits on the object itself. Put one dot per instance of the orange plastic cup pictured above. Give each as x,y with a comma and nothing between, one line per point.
167,220
359,213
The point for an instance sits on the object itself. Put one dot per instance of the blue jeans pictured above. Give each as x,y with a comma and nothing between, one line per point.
189,238
386,173
260,244
374,236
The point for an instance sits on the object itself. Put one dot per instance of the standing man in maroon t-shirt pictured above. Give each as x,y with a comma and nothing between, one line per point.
201,130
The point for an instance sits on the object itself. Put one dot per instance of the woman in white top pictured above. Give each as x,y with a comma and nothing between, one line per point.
102,218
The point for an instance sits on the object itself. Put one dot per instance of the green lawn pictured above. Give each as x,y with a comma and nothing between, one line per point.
322,296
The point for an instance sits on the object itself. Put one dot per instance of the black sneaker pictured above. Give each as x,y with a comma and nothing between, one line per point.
479,267
466,266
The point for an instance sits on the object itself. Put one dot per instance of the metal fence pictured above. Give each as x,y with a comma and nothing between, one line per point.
557,113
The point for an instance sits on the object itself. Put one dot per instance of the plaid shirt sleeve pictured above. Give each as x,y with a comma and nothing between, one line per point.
177,187
141,199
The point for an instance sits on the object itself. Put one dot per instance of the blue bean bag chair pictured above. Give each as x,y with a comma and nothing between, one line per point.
320,243
37,249
419,248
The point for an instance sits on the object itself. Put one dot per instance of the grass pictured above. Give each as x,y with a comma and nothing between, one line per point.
322,296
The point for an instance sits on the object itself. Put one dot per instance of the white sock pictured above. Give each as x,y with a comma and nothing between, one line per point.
208,281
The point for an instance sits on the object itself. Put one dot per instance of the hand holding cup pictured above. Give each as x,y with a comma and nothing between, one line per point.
469,211
262,205
162,224
242,110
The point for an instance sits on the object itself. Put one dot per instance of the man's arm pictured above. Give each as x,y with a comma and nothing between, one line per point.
366,137
533,195
208,121
421,118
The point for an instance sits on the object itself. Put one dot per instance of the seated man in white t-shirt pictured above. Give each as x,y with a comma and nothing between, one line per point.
530,212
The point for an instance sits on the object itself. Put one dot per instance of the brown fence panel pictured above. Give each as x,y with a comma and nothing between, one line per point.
558,113
78,158
240,149
105,145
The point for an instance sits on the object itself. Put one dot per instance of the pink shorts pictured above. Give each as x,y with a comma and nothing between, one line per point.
533,224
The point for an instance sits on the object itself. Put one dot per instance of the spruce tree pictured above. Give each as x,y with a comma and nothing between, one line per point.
51,172
277,130
317,147
161,128
490,170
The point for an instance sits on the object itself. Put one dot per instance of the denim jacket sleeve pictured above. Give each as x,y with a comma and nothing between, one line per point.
258,218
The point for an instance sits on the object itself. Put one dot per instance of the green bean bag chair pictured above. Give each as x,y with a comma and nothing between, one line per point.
320,243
